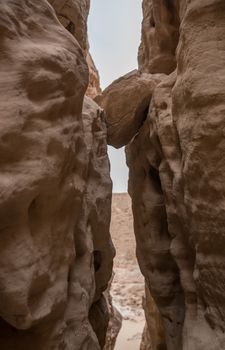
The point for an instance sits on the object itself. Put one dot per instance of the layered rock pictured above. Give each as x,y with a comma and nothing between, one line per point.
56,251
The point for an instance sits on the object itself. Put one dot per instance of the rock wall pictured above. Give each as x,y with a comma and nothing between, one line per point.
153,335
148,165
93,89
73,15
160,35
55,198
175,157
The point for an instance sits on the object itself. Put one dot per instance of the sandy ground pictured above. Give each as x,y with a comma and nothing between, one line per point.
130,335
128,284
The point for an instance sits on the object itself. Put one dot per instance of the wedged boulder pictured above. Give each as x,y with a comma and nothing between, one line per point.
126,102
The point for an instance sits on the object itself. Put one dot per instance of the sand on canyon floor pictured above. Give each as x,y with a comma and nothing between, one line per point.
128,283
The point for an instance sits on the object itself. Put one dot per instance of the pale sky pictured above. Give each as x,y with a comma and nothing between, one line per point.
114,36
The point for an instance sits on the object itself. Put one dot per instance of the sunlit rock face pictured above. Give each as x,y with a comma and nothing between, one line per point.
94,88
56,252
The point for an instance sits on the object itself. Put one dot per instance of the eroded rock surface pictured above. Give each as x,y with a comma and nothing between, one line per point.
115,321
91,271
73,15
154,333
94,88
38,157
160,35
145,160
198,112
55,198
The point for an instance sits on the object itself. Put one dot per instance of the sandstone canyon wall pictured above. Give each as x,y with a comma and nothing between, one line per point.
55,199
175,147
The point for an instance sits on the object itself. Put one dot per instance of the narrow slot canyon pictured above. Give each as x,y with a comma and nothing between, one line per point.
119,53
112,190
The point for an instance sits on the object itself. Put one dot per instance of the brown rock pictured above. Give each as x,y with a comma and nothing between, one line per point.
126,102
115,321
115,324
176,168
154,333
55,189
91,271
160,35
146,161
42,89
94,79
198,112
73,16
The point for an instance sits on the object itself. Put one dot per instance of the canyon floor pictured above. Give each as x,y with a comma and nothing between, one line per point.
128,284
